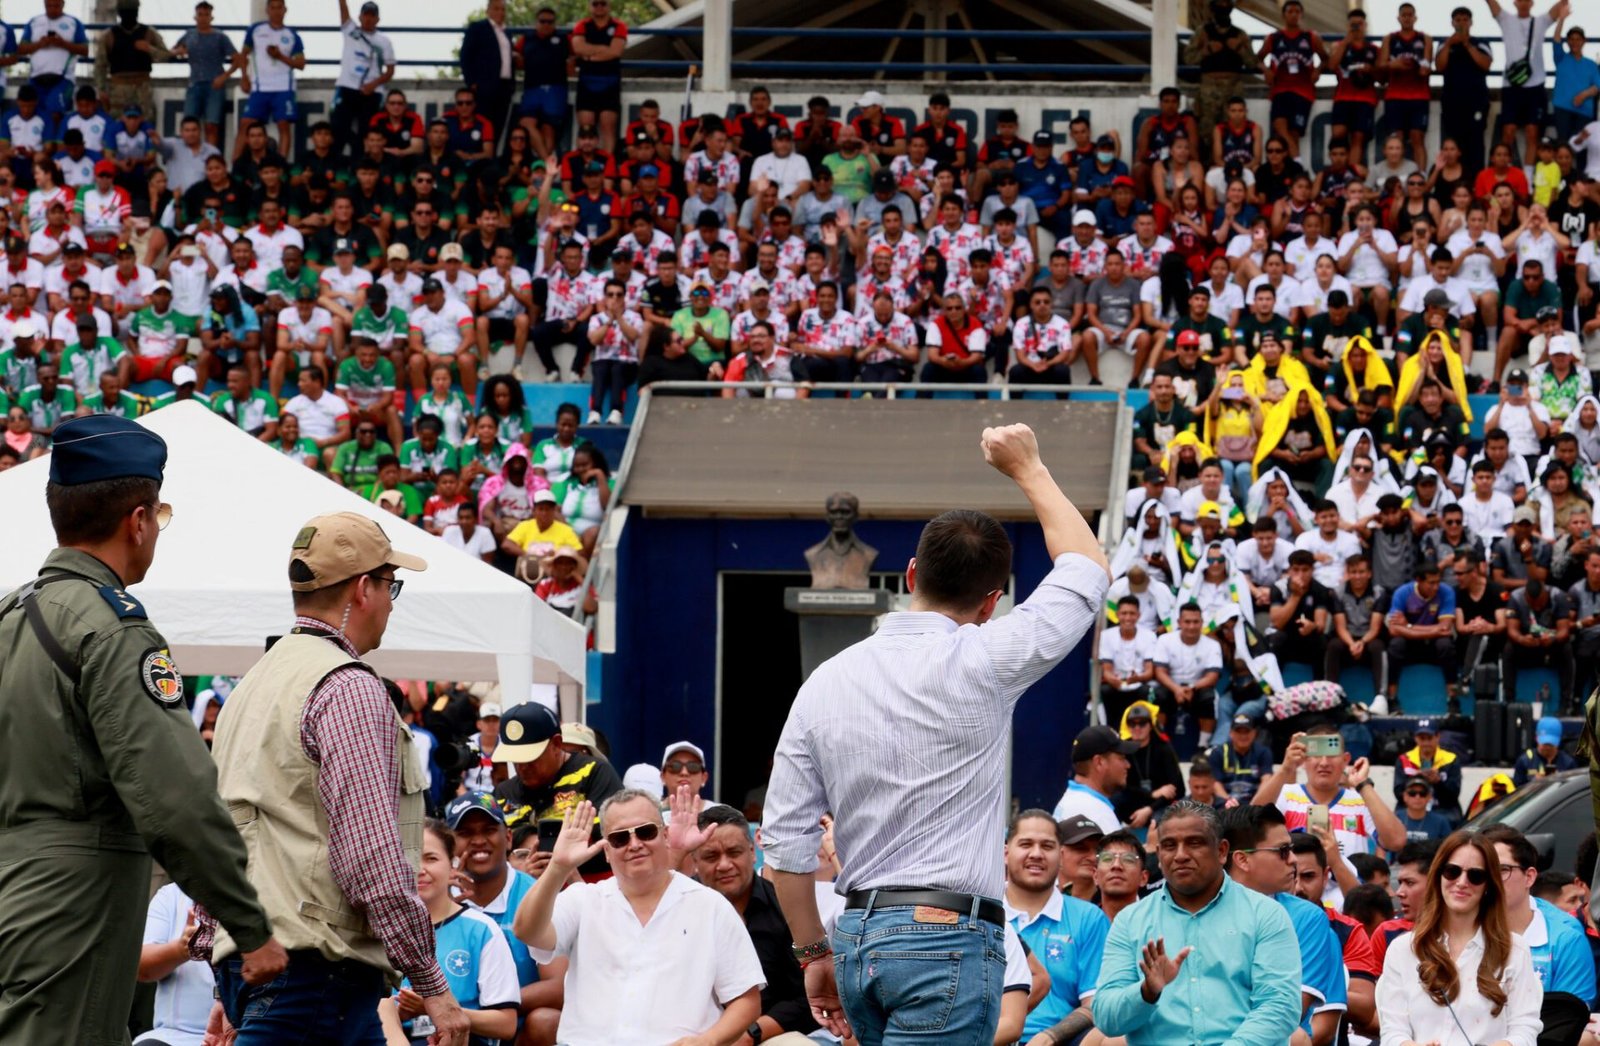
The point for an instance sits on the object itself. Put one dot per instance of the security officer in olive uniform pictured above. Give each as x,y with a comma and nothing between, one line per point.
101,767
1223,53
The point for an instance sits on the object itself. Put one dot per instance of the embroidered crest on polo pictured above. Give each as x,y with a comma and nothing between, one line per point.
161,678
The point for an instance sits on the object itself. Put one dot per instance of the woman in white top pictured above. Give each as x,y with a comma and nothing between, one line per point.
1412,259
1325,279
1536,240
1369,258
1461,976
1587,275
1480,261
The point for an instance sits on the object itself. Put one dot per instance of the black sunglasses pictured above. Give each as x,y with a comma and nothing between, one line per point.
679,766
1284,851
1475,876
644,832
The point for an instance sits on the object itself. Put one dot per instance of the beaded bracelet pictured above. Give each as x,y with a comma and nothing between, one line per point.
810,953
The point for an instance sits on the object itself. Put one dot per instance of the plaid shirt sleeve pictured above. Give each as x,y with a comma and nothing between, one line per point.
348,729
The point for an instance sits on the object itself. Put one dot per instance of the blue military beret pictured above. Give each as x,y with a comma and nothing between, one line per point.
103,446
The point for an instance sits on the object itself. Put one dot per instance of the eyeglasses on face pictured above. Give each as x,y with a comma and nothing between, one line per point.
681,766
1475,876
163,515
1360,468
1284,851
1111,857
620,838
394,583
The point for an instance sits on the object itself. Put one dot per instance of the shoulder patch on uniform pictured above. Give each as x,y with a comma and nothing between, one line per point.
162,679
124,605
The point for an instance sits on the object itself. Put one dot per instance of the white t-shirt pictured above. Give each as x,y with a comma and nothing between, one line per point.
1258,569
464,288
610,341
305,331
480,544
1128,656
56,280
1186,662
1195,496
1517,420
1353,507
64,328
788,171
1081,801
183,997
364,57
1301,257
1587,254
1489,519
1366,268
1315,300
1542,249
491,282
268,73
1517,34
1288,294
189,280
319,418
441,331
270,245
664,1000
1227,303
1461,302
345,286
1476,272
1330,554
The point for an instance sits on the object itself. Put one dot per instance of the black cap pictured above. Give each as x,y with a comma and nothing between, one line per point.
430,285
103,446
304,293
1154,472
1105,141
1077,828
1138,713
1517,375
707,177
640,136
526,730
473,802
1548,312
883,178
1044,138
1099,740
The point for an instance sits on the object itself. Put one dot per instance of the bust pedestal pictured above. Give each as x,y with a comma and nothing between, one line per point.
832,619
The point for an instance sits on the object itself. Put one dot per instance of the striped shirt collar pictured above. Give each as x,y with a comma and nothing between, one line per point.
322,628
910,622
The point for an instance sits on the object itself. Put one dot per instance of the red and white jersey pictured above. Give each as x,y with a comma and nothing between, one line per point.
907,252
646,255
269,245
64,328
492,283
255,277
1088,263
31,275
632,291
1013,258
1142,257
725,293
839,331
779,282
215,244
1034,341
868,286
908,175
128,292
696,253
308,331
103,212
804,290
48,241
956,246
898,331
987,303
344,286
9,321
791,252
57,280
464,288
566,295
441,331
610,341
405,292
726,166
747,319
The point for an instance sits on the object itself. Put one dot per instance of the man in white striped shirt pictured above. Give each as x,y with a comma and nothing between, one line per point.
904,737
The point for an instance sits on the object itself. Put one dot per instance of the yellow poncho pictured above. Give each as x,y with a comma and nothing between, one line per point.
1277,423
1377,372
1411,373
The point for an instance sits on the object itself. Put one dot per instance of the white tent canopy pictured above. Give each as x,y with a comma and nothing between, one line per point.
220,586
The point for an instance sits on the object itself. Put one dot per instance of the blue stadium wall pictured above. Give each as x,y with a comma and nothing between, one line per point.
660,686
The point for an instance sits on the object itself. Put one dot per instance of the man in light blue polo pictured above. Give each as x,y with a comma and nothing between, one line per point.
1099,770
1247,990
1560,947
1065,934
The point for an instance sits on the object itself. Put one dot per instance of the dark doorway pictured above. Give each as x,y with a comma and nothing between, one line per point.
760,674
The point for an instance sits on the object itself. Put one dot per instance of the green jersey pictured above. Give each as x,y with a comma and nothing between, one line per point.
414,459
413,499
1251,329
288,287
251,413
363,388
514,426
555,459
356,467
128,404
492,459
455,412
83,365
157,335
47,412
1325,340
19,372
716,322
300,450
387,330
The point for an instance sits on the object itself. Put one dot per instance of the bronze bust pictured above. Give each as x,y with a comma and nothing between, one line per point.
841,560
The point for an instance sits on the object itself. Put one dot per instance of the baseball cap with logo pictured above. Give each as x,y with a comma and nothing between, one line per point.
1078,828
682,746
451,252
579,734
526,730
339,546
1099,740
399,250
472,802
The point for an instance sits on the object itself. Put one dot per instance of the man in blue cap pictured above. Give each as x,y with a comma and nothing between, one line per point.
1546,757
103,767
1435,764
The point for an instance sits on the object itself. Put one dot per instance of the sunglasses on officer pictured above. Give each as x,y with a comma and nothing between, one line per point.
645,833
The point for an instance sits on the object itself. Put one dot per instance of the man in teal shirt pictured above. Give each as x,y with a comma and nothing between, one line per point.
1203,960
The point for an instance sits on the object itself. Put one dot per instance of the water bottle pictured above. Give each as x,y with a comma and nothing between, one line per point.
1543,697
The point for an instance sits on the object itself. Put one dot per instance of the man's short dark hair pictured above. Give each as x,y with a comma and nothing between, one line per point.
1301,843
1524,853
1368,866
385,460
1264,524
1302,558
88,513
722,814
1246,826
1123,837
1369,903
1419,852
1031,814
1549,885
962,556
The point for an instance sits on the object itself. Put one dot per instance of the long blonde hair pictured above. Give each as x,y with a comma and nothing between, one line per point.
1435,969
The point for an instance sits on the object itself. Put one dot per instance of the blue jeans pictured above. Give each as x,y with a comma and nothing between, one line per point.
204,102
313,1002
1236,474
904,981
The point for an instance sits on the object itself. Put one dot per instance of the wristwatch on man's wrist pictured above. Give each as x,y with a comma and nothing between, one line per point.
754,1031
